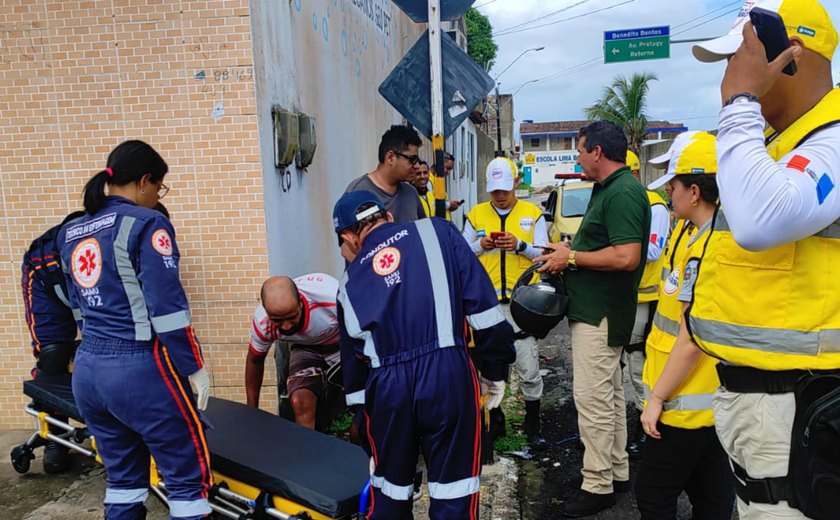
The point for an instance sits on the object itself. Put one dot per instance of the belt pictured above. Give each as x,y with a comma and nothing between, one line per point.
758,490
749,380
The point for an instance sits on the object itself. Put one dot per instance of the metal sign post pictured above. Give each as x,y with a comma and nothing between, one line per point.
438,137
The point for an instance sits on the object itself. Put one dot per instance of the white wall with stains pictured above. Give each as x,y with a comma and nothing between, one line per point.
325,58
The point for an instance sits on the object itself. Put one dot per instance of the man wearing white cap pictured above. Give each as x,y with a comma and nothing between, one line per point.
766,301
507,234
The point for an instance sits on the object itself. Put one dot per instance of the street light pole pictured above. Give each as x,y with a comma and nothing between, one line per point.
499,152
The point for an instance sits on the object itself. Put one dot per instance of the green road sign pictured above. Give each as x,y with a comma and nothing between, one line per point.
652,43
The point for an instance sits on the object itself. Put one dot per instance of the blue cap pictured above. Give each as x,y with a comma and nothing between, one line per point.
346,211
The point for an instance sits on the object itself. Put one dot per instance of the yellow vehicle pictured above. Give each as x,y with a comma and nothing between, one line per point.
565,207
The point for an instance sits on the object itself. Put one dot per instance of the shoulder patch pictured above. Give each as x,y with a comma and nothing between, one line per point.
87,263
161,242
386,261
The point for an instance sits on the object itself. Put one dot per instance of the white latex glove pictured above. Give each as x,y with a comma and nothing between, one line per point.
495,392
200,383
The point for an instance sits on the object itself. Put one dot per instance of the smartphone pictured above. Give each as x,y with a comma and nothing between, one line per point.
496,235
770,29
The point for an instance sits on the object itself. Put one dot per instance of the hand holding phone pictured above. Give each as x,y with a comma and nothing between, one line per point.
496,235
770,29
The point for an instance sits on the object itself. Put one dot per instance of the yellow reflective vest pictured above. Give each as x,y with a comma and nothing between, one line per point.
427,202
690,405
649,285
777,309
505,267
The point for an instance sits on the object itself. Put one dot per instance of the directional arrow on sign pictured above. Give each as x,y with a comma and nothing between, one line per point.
418,10
408,86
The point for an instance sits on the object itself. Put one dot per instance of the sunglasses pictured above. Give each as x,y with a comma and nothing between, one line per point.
413,159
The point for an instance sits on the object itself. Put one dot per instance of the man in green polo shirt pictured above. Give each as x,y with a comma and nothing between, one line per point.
603,267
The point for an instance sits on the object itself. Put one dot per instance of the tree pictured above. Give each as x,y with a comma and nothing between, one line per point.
480,45
623,103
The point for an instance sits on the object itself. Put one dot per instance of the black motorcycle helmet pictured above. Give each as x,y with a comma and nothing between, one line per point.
539,306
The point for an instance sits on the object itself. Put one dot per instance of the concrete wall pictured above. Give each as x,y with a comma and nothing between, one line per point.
325,58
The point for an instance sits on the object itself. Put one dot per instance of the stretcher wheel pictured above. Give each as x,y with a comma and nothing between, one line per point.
21,458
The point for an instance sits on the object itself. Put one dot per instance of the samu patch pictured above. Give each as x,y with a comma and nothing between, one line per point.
87,263
672,285
386,261
161,242
526,224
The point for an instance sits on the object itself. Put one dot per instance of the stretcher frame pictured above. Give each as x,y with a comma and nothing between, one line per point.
228,498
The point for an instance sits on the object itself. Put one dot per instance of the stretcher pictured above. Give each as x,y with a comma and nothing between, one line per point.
264,466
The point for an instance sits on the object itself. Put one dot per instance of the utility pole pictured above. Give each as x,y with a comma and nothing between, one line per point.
438,138
499,152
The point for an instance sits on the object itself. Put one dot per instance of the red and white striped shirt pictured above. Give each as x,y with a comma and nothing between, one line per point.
320,321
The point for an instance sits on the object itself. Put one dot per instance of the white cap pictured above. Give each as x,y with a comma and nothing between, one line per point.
725,46
500,175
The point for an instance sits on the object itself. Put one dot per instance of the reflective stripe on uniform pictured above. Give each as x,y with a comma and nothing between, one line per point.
486,319
452,490
665,273
666,325
390,490
187,508
126,496
351,322
128,277
355,398
780,341
440,281
649,290
170,322
77,313
686,402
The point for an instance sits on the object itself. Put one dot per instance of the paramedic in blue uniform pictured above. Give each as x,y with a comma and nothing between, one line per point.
51,323
408,375
139,354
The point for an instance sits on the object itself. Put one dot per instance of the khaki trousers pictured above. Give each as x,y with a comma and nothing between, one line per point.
599,398
754,430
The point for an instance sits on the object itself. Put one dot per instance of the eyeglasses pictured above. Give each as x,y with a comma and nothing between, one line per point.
413,159
163,190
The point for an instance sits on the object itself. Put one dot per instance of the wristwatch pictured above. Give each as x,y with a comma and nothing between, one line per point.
742,97
571,264
520,248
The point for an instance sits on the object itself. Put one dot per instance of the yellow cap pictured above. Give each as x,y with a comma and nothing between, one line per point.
693,156
804,19
633,161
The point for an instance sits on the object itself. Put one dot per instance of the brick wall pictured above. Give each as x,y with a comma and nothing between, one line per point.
77,78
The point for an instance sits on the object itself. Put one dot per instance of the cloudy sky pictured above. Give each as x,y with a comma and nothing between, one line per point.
572,61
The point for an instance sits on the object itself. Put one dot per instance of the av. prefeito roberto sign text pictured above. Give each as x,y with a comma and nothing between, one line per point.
649,43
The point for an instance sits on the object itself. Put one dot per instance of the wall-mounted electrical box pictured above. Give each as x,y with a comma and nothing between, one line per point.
308,141
286,136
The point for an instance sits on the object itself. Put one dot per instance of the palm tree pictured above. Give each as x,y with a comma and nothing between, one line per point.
623,103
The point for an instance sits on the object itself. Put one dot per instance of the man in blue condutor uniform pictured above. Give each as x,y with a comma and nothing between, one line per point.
139,354
408,375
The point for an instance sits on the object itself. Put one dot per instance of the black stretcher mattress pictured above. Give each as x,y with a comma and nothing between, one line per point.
272,454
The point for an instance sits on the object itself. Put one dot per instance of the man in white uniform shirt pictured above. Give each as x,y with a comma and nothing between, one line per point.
301,312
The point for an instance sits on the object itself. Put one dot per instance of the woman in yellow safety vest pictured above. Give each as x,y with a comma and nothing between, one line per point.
682,452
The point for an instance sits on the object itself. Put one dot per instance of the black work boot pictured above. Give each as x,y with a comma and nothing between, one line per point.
56,457
583,503
532,425
637,443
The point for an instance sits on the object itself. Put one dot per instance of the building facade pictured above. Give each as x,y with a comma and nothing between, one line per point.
200,81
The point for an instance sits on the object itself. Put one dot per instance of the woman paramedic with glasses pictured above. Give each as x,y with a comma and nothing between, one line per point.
139,354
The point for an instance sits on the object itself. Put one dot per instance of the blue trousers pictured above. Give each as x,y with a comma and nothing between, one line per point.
135,404
431,404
